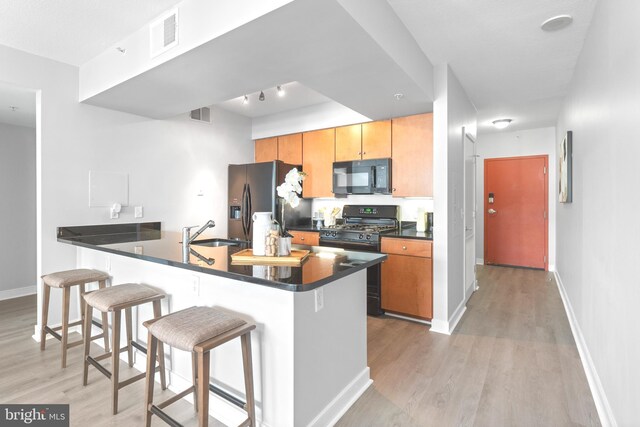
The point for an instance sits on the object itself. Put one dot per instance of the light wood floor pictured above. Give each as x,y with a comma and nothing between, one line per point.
512,361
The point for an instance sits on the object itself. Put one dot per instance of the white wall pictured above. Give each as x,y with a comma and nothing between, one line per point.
513,144
313,117
167,161
452,111
598,234
18,213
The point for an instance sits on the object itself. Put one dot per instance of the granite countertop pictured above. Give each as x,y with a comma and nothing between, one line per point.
408,231
147,242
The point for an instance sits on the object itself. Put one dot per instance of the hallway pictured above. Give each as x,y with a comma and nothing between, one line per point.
511,361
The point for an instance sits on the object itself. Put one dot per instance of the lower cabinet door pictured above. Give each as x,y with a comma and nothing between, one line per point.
407,286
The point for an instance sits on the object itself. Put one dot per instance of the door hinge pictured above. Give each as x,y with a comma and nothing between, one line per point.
545,259
545,170
545,214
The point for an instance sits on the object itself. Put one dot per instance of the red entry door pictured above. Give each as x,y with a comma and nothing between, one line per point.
515,211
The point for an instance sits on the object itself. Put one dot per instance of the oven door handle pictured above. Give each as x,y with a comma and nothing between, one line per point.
347,245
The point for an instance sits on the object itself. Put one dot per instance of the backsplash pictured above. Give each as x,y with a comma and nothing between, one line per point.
408,206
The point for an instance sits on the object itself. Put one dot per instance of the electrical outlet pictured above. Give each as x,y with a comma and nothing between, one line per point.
138,212
319,297
195,285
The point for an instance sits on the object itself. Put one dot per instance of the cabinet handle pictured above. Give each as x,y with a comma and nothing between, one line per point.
394,189
359,153
364,152
404,248
302,238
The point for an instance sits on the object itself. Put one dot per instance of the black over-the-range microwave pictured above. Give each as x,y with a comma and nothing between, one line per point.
362,177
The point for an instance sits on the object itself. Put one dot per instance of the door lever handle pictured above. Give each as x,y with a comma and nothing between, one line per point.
492,211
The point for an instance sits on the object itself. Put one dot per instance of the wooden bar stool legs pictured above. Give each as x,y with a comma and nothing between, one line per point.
116,300
64,280
198,330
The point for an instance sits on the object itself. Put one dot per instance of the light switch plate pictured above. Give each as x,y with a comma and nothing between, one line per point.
319,299
138,212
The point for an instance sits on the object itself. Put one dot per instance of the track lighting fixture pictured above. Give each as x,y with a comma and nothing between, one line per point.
261,97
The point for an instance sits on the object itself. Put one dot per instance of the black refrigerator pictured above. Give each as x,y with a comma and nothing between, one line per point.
252,188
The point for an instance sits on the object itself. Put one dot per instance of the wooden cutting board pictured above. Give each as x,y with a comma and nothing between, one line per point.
247,257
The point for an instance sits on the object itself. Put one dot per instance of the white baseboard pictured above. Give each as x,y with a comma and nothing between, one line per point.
17,292
605,412
457,315
551,267
332,413
411,319
447,327
480,261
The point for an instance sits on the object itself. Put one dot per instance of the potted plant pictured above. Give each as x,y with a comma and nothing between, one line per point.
289,191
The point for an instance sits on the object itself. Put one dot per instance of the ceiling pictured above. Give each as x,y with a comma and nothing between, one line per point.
73,31
507,65
295,96
25,102
317,43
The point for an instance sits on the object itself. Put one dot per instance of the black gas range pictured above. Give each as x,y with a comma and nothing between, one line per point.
360,231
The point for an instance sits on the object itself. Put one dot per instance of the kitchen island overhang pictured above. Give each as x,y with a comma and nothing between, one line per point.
310,345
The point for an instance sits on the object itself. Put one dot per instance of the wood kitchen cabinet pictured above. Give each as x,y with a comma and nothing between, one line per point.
376,140
318,155
266,149
407,277
412,156
287,148
311,238
290,148
364,141
348,143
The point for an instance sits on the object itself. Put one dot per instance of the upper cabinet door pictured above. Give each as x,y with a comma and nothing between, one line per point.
348,143
266,149
318,155
290,148
412,154
376,140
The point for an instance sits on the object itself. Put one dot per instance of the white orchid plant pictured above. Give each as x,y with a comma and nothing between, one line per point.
289,191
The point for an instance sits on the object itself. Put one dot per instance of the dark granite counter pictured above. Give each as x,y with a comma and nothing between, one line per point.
408,231
147,242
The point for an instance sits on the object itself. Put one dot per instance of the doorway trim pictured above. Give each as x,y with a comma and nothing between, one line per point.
546,202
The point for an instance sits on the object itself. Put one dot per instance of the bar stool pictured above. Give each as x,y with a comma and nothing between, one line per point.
65,280
198,330
115,299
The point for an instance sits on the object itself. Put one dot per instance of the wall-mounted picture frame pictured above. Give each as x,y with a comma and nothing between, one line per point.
565,181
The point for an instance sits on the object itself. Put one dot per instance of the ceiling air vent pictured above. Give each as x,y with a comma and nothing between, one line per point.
164,33
201,115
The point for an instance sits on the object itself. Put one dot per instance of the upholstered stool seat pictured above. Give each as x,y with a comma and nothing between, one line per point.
129,294
115,299
198,330
62,279
65,280
187,328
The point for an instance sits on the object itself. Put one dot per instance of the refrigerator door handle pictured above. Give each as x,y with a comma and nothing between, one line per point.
249,210
243,213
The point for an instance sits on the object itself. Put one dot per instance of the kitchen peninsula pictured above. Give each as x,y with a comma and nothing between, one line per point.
310,345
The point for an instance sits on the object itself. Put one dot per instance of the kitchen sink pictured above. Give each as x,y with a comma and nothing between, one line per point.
220,242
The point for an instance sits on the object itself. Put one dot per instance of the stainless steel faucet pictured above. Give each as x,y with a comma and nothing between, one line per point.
187,238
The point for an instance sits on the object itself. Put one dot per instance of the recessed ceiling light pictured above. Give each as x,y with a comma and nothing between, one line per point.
122,50
261,97
12,108
280,91
556,23
398,96
501,123
245,100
